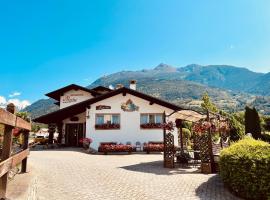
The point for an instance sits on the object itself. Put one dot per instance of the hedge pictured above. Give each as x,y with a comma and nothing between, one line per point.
245,168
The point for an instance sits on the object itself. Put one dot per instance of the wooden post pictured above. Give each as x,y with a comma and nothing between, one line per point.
25,146
6,152
51,133
212,162
164,135
181,135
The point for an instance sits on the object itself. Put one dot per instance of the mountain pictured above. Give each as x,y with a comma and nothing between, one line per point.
41,107
231,88
220,76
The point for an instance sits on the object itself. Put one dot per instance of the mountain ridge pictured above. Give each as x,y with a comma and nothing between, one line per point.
230,87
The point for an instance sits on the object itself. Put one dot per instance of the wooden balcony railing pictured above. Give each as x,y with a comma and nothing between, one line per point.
11,121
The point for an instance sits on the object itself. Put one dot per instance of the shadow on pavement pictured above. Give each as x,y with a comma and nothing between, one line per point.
213,188
156,167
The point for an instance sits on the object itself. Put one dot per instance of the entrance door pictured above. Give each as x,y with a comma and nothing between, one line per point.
74,132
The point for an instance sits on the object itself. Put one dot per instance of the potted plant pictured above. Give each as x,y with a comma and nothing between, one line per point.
86,142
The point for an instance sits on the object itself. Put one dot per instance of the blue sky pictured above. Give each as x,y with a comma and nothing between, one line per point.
48,44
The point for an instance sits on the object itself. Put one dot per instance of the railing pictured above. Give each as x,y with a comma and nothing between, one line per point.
10,121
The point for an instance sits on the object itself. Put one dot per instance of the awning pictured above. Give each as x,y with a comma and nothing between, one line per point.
188,115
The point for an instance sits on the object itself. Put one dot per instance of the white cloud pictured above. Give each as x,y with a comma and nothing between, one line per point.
3,102
19,104
14,94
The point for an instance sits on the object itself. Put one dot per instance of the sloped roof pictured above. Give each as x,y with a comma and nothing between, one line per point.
70,111
57,93
100,88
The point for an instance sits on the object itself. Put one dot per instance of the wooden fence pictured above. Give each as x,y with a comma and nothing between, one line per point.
11,121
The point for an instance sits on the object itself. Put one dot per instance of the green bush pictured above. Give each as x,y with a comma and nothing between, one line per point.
245,168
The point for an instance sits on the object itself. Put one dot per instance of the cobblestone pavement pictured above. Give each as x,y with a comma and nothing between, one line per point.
72,175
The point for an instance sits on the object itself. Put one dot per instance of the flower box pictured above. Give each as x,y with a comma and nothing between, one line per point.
113,147
107,126
151,126
153,147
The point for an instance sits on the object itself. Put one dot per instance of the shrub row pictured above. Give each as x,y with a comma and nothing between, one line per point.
245,168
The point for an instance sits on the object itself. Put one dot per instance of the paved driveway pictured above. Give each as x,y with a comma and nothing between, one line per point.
70,175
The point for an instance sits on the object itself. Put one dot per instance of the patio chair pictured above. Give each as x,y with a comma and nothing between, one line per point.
194,159
138,146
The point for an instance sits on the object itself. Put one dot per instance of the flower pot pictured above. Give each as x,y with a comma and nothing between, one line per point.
206,168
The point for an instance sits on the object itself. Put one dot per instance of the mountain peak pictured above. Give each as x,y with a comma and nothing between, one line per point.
165,68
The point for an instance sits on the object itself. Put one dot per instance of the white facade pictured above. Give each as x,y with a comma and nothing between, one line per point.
130,130
73,97
130,121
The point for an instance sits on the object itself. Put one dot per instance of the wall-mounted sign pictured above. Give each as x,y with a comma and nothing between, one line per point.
129,106
101,107
74,119
71,98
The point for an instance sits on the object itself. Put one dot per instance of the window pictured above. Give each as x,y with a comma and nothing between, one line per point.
151,121
107,121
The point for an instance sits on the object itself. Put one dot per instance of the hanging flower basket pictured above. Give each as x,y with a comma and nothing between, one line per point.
16,132
168,126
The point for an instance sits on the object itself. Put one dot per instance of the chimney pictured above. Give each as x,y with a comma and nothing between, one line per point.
118,86
132,84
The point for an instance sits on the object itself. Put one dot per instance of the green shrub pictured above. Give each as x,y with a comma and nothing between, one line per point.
245,168
186,136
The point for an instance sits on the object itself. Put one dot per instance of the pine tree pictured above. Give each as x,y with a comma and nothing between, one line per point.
207,103
252,122
257,124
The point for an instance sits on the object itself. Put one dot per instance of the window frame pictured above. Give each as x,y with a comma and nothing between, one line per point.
104,124
148,114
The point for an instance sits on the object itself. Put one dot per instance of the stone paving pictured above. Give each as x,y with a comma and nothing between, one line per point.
69,174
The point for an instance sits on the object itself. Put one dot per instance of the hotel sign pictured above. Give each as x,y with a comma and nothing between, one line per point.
102,107
72,98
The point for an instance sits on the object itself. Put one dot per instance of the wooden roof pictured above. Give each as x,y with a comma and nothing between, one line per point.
58,93
70,111
101,88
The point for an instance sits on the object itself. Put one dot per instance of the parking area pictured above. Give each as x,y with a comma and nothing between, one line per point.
71,174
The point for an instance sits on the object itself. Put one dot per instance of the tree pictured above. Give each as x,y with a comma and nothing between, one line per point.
237,129
207,103
24,115
252,122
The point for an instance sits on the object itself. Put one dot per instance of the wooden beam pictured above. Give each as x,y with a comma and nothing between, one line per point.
5,166
20,123
7,118
124,93
10,119
13,161
26,153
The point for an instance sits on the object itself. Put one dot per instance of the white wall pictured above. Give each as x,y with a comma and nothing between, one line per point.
129,122
73,97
